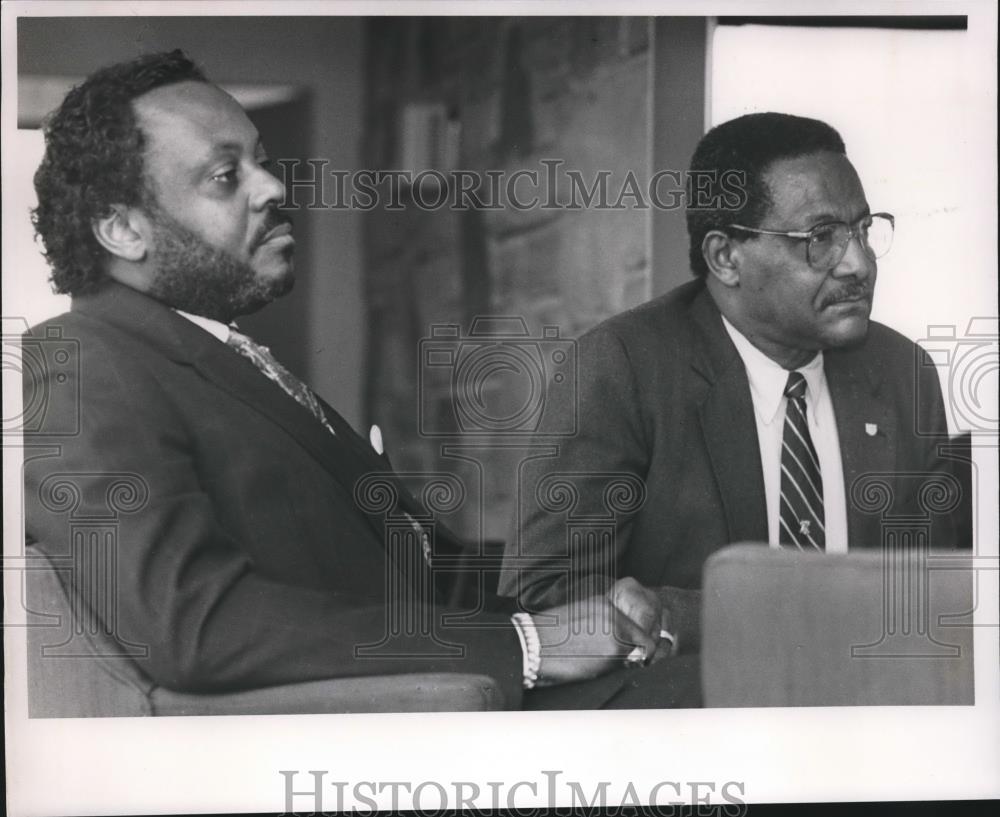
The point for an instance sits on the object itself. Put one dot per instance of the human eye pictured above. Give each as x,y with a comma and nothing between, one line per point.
825,235
226,175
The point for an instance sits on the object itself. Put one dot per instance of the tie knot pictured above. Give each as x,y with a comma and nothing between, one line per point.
238,340
796,386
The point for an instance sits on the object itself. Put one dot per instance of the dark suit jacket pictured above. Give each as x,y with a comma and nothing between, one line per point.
238,552
664,409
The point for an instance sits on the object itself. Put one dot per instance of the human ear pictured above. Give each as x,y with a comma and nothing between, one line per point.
122,232
722,256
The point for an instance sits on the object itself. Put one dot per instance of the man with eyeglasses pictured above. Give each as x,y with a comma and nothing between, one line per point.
747,401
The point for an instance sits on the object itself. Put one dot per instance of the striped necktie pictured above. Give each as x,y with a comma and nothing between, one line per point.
802,520
262,358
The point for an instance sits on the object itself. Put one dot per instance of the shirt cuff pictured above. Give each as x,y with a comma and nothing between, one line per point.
531,648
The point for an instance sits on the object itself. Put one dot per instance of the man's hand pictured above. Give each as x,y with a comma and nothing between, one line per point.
640,604
682,609
586,638
646,608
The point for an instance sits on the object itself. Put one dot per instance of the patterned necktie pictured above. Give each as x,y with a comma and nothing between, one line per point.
802,520
262,358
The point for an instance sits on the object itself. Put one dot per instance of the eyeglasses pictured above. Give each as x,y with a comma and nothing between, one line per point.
826,244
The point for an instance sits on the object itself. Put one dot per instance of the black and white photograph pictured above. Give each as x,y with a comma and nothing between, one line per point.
431,405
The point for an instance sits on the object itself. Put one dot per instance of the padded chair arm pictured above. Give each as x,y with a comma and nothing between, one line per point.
75,670
415,692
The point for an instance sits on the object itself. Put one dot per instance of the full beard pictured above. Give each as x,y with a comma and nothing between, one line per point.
195,277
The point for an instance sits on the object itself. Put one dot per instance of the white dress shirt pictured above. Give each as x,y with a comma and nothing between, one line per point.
767,389
215,328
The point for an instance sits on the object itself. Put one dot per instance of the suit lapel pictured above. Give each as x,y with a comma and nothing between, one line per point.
868,430
338,454
345,456
727,423
367,461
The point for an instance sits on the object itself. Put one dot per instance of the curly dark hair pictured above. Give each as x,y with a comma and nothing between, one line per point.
94,159
748,145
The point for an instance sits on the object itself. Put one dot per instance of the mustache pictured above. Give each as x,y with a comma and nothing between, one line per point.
848,292
273,218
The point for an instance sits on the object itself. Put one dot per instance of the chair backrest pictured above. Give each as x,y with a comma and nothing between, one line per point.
784,628
75,669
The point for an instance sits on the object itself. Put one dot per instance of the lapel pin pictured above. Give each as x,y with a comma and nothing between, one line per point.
871,429
375,438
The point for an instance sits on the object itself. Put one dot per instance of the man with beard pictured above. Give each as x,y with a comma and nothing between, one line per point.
245,554
749,401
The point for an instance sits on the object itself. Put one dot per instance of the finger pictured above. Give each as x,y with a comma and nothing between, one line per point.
621,595
663,650
666,619
669,637
639,603
645,617
637,657
669,640
650,614
625,591
666,647
630,635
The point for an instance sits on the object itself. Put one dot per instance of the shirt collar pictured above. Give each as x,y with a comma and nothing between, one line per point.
216,329
768,379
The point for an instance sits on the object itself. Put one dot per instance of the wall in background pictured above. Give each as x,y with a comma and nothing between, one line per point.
517,91
917,119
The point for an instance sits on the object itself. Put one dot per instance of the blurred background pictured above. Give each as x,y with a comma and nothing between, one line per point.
601,94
